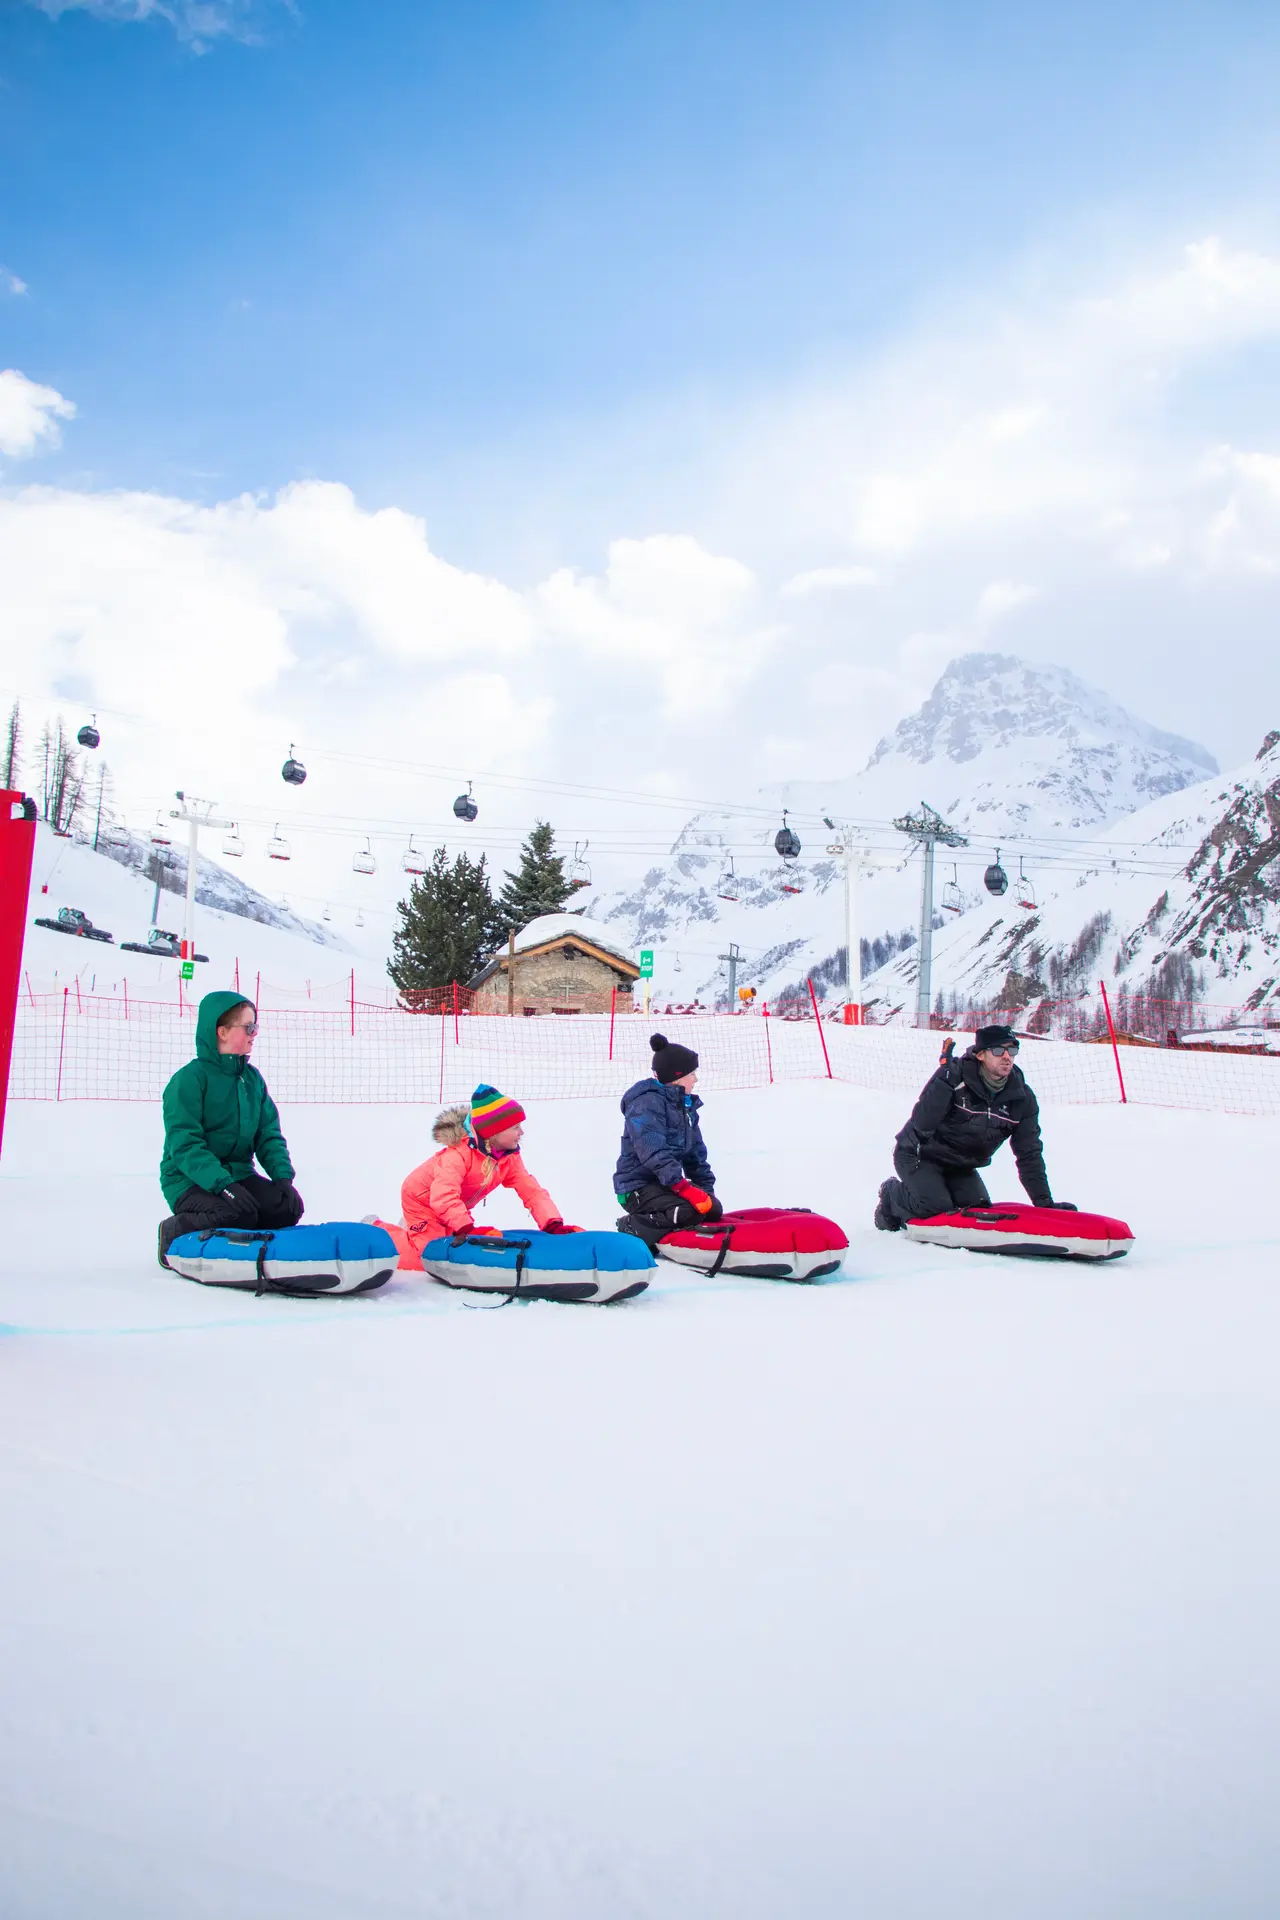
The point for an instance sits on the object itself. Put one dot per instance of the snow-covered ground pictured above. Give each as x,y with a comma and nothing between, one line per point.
291,966
944,1588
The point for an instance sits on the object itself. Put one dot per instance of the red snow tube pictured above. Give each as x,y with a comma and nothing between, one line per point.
767,1243
1009,1226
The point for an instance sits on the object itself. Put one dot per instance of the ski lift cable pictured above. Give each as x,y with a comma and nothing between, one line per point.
647,799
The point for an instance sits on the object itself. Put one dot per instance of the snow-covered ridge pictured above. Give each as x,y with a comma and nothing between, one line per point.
986,701
1012,753
1189,911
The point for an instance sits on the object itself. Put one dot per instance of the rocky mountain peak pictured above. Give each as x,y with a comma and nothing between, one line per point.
984,702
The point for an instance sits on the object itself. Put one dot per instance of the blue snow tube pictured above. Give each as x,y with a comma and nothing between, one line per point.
335,1256
587,1267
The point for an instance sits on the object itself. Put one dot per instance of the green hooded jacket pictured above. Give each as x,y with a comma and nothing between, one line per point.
218,1115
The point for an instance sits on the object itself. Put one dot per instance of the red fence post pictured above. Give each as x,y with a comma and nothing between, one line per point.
442,1019
62,1041
821,1035
17,846
613,1010
768,1043
126,999
31,997
353,1001
1111,1029
456,1040
257,990
79,1008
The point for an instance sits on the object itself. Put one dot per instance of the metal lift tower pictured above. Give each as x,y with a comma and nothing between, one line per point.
927,829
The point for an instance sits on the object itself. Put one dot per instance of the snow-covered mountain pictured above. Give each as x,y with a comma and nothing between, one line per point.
1024,757
1008,749
1188,908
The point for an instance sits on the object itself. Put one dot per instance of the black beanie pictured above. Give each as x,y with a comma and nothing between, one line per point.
671,1062
994,1037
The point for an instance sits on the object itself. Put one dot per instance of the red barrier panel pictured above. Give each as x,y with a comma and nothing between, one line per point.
17,846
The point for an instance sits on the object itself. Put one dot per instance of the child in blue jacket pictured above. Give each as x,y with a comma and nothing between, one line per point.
663,1178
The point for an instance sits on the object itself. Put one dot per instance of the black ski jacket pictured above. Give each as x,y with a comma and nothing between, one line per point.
956,1122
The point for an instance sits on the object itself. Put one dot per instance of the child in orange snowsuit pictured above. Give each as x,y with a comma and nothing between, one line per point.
479,1152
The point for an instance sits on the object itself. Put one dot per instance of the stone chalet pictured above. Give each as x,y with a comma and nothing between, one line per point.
564,963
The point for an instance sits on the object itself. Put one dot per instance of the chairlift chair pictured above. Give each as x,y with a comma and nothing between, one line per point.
278,849
727,889
362,860
465,808
952,898
326,915
160,834
359,917
1026,892
995,879
88,735
232,844
411,860
293,773
579,871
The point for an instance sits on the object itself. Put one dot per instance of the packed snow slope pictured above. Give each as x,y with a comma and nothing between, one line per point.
1027,757
120,899
1186,908
947,1588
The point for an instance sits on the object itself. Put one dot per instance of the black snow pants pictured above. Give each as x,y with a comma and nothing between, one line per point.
252,1202
656,1210
922,1188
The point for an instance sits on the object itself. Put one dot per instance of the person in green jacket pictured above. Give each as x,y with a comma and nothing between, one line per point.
219,1117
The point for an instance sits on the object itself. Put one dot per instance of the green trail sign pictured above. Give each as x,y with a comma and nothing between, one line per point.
646,963
188,969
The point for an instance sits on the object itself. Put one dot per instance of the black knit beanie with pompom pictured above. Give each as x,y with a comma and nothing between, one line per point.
671,1062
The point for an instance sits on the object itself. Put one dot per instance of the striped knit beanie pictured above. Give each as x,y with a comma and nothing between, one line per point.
492,1112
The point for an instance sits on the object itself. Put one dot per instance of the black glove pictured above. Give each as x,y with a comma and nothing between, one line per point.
1065,1206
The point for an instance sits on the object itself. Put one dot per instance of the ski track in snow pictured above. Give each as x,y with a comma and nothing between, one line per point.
943,1587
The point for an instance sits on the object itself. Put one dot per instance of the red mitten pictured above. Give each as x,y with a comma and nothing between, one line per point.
560,1226
696,1197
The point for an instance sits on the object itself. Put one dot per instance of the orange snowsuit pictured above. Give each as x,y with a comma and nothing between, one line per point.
437,1198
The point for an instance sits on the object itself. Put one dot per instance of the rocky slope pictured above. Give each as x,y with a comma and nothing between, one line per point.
1182,920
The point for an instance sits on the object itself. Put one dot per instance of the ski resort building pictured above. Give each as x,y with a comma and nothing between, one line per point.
559,963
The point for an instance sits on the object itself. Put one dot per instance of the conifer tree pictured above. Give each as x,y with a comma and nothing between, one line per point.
13,748
448,926
539,886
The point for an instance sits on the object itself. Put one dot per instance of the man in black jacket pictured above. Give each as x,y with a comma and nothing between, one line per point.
971,1106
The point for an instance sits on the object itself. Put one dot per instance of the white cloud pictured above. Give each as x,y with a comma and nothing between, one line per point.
664,607
826,580
196,21
212,636
12,283
1002,597
29,414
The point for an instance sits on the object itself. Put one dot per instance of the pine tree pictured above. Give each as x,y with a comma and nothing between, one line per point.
63,778
539,886
13,749
449,925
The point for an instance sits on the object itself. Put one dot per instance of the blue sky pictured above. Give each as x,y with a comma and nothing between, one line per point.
596,372
379,241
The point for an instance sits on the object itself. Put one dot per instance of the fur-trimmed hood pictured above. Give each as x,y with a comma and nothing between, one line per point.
449,1127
